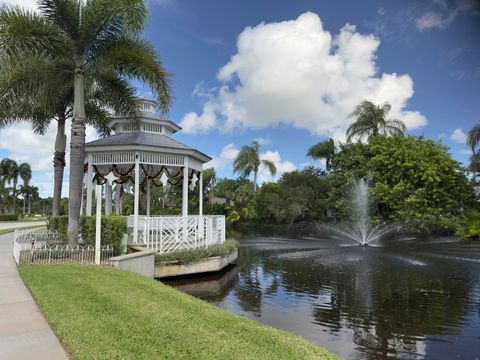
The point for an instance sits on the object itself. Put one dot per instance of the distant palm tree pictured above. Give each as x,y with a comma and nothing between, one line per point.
474,165
323,150
11,173
32,194
371,120
473,138
248,161
95,42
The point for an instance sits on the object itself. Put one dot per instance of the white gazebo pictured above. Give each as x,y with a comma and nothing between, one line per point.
143,151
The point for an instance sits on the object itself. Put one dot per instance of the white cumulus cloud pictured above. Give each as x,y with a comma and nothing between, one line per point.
226,157
282,166
22,145
459,136
296,72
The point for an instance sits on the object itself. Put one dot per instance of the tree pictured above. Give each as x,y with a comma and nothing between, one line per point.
93,42
248,161
413,180
11,173
29,193
473,137
20,107
323,150
371,120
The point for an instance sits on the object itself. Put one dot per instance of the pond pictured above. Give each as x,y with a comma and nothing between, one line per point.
403,299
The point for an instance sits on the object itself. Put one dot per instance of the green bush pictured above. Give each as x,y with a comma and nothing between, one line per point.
58,224
113,229
8,217
188,256
471,227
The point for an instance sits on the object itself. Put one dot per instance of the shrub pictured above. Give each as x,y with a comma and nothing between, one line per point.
471,227
113,229
9,217
58,224
188,256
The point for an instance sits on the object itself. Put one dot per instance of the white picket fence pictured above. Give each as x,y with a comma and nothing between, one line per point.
166,234
45,247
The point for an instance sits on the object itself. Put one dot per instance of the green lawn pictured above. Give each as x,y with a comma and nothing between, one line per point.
104,313
6,231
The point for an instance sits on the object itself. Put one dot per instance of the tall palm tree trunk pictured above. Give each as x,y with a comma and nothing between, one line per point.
29,205
59,164
77,156
255,181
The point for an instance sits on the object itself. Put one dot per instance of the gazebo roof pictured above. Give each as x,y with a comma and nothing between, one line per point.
149,134
144,139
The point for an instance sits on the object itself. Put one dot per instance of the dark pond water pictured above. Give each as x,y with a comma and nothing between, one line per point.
405,299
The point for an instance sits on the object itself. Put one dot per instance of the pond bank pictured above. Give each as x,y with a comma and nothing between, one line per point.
104,313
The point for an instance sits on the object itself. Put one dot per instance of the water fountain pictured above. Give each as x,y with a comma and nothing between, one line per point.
361,228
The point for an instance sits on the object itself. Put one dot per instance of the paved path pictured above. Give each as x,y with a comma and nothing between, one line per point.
24,332
18,224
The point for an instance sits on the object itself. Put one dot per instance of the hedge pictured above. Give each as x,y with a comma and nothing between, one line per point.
8,217
113,229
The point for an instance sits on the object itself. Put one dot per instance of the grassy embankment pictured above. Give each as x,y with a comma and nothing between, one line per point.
188,256
103,313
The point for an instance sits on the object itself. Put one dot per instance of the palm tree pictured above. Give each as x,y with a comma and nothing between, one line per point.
473,137
32,194
248,161
19,107
12,172
323,150
371,120
92,42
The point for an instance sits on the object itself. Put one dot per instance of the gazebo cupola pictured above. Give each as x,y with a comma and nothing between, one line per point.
141,151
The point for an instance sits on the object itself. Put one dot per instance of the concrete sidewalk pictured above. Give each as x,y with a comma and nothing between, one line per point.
24,332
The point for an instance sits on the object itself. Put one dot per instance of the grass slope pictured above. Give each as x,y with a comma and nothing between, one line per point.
103,313
189,256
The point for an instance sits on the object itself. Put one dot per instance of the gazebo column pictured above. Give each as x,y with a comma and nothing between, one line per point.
200,206
149,186
200,194
108,198
118,199
185,200
185,189
89,185
136,198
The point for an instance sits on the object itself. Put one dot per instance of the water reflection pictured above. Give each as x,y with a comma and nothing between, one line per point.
409,299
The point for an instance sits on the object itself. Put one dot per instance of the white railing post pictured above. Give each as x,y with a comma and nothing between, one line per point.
146,232
222,229
98,224
161,235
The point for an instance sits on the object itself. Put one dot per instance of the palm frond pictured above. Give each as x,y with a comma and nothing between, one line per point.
63,13
272,169
137,59
24,31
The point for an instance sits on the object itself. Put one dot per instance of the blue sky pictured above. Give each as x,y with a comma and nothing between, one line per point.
288,73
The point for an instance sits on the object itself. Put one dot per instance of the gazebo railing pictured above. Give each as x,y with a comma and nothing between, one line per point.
166,234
